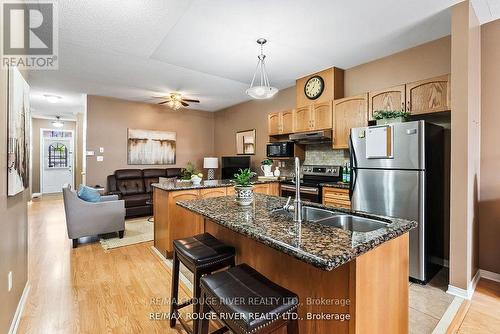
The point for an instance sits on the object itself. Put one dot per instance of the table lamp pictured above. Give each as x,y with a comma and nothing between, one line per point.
211,164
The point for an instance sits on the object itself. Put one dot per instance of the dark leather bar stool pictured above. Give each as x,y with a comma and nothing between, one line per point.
202,254
250,303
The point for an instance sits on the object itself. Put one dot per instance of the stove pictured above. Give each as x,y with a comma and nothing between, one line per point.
312,177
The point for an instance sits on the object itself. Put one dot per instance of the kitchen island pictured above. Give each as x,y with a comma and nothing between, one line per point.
172,223
347,282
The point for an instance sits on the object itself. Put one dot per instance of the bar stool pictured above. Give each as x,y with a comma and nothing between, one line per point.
202,254
247,302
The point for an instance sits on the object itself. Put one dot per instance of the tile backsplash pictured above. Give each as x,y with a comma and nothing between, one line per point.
323,154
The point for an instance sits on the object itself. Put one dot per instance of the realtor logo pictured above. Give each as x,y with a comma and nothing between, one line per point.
29,38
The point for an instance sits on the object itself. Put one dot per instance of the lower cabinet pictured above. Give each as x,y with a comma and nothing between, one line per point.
336,197
172,222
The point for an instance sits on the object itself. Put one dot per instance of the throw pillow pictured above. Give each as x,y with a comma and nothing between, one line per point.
89,194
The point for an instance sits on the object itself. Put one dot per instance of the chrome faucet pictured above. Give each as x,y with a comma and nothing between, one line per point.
297,204
297,214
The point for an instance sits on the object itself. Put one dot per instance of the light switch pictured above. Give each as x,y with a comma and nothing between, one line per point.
100,158
101,149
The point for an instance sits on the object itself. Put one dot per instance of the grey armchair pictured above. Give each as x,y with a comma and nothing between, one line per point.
88,218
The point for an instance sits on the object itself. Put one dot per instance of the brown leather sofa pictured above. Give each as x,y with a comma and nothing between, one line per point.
134,187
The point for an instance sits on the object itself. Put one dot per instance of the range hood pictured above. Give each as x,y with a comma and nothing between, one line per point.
313,137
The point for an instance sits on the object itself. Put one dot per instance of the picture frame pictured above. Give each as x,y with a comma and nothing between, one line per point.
245,142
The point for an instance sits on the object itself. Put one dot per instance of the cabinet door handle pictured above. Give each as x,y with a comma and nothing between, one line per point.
402,106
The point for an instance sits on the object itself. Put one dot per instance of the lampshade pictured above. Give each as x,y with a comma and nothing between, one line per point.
210,163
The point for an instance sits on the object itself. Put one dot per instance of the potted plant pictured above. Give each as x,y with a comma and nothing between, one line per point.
266,166
243,187
390,116
190,173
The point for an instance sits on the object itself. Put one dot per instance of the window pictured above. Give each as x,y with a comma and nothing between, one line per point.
58,155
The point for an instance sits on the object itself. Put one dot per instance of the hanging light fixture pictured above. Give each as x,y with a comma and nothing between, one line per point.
58,123
264,90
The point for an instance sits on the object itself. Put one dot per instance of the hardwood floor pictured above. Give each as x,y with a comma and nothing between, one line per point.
483,314
88,289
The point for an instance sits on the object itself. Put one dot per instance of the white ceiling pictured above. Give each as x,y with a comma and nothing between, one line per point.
137,49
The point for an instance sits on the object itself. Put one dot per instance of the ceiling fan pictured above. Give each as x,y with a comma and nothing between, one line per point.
176,101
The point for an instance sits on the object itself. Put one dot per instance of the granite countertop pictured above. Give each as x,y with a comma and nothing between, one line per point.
324,247
339,185
186,185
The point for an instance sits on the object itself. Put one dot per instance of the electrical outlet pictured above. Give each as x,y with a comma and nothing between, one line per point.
101,149
9,281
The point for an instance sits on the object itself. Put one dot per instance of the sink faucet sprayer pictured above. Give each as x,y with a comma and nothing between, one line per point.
297,204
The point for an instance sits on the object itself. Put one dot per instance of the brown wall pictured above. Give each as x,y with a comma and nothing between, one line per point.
489,229
109,118
465,144
36,125
14,227
421,62
249,115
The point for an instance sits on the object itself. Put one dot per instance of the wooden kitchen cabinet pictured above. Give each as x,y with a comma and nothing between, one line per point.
261,189
428,96
280,122
336,197
317,116
273,122
302,119
322,116
393,98
350,112
212,192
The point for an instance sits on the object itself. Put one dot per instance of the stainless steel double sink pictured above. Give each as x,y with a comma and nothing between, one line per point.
338,219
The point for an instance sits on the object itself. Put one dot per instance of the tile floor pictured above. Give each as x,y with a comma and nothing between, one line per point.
428,303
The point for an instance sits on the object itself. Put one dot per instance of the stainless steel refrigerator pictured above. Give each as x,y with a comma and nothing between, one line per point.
397,170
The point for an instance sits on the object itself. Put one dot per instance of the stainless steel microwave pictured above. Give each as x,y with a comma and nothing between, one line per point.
283,149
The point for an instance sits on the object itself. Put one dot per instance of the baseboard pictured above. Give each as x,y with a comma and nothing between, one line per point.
36,195
448,316
462,293
489,275
19,310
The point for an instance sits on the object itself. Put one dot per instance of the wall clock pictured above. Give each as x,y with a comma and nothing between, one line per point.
314,87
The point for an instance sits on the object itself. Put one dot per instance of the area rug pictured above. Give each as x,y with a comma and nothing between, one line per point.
136,231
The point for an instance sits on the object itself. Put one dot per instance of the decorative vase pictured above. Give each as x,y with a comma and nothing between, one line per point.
244,195
277,172
195,179
385,121
267,170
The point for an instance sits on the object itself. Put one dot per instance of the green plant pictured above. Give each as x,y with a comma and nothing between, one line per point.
242,178
388,114
266,162
189,170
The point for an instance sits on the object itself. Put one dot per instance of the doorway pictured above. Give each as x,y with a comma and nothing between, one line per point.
56,160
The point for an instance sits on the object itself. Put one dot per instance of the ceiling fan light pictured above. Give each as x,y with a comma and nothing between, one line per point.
261,92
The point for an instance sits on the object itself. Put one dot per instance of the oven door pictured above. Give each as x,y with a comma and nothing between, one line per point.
311,194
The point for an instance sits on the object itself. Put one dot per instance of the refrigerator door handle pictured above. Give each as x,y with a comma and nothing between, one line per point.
353,162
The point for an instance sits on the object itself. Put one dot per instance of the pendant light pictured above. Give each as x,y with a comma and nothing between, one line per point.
57,123
264,90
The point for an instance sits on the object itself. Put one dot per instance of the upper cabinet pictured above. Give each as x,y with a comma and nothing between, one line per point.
280,122
322,114
428,96
393,98
317,116
303,118
350,112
